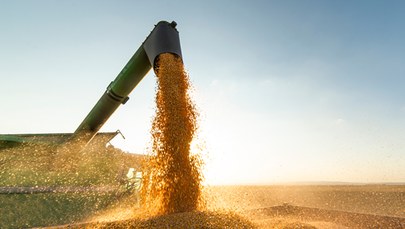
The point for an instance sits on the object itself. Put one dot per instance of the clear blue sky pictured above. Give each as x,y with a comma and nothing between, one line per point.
287,90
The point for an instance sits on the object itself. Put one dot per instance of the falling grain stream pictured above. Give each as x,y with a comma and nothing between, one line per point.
171,193
172,177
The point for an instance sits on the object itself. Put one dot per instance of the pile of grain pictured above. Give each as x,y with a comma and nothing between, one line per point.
172,178
182,220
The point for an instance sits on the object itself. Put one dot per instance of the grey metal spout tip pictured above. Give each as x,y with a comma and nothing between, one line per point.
163,39
172,24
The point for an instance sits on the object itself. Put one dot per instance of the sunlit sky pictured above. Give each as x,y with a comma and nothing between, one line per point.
288,91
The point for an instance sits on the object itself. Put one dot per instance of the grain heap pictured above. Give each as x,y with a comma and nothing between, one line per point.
204,219
172,178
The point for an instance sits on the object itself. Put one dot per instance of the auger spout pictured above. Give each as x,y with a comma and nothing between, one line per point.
164,38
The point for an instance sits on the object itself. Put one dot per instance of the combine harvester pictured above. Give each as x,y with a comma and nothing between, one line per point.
164,38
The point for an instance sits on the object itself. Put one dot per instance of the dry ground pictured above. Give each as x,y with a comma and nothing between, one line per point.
356,206
369,199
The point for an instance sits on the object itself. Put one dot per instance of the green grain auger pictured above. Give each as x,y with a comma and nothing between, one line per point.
164,38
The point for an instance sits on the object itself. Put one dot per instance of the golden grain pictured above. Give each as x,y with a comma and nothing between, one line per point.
171,193
172,178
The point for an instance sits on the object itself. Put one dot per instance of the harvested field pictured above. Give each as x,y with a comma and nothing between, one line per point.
309,206
368,199
322,206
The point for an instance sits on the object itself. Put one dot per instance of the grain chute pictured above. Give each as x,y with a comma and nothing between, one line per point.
164,38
